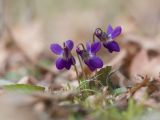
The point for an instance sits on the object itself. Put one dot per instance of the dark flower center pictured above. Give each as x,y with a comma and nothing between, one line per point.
104,36
101,35
86,55
66,54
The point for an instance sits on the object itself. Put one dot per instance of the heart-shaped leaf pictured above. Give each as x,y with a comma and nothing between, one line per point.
103,74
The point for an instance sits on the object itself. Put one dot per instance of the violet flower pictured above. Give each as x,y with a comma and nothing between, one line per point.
66,59
108,37
89,57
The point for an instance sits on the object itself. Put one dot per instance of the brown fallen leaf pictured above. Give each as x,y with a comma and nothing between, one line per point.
144,65
139,62
139,85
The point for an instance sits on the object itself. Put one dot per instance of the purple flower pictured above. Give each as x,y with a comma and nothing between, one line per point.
108,37
66,59
89,57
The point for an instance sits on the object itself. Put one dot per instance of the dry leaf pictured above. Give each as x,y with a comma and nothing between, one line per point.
139,63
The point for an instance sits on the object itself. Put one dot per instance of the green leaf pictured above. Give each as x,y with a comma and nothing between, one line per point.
24,88
119,90
103,74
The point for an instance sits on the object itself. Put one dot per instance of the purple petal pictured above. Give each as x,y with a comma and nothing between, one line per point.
89,65
88,46
79,51
96,62
95,47
66,52
109,29
112,46
73,60
60,63
69,44
56,48
116,32
68,64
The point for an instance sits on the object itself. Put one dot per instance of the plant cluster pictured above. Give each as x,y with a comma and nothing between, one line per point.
87,53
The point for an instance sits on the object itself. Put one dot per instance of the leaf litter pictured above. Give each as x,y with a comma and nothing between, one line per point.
132,90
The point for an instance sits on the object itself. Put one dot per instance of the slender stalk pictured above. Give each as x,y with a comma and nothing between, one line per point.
95,79
81,65
77,74
98,31
80,60
64,45
76,70
93,37
90,90
81,45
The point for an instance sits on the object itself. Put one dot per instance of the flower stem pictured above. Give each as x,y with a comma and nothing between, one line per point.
97,31
93,37
81,45
84,75
77,74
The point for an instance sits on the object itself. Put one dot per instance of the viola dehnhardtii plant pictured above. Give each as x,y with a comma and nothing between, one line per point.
108,37
87,53
89,57
66,60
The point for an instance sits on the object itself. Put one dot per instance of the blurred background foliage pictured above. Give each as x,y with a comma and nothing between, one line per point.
28,27
64,19
73,19
35,24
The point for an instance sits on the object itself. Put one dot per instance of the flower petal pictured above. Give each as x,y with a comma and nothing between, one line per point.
95,47
89,65
112,46
88,46
79,51
109,29
60,63
66,52
116,32
73,60
69,44
68,64
96,62
56,48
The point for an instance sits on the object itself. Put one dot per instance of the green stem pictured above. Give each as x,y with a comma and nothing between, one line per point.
93,38
89,90
81,45
77,74
81,65
98,30
80,60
